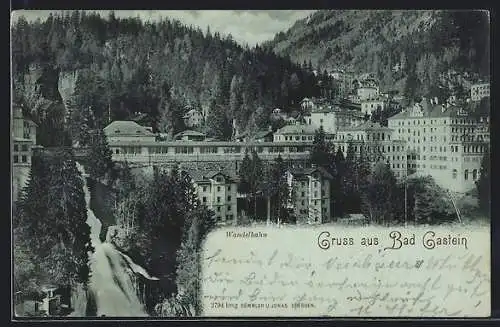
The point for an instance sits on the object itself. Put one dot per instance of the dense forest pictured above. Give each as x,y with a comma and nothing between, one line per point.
420,43
50,235
118,67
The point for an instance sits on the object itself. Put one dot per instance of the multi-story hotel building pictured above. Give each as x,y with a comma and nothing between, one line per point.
218,191
331,119
24,141
310,194
445,142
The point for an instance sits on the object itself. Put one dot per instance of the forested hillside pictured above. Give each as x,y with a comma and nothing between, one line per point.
422,43
118,67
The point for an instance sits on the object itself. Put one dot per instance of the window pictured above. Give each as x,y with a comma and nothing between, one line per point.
24,147
303,194
16,159
218,188
302,202
24,159
229,208
204,199
474,174
117,151
16,147
204,188
229,198
315,194
218,199
218,209
466,174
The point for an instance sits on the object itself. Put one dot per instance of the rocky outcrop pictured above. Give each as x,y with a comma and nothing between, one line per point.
66,86
41,91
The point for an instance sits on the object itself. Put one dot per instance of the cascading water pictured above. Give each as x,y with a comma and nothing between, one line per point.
110,284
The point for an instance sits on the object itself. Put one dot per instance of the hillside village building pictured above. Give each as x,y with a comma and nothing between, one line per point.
447,143
24,141
189,135
367,92
479,91
295,133
371,105
218,191
310,194
334,118
126,130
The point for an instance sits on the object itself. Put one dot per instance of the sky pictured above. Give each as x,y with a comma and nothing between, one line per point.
246,26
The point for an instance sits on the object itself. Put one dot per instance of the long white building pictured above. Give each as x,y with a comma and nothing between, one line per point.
447,143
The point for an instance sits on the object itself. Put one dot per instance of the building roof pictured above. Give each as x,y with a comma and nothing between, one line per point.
189,132
152,142
21,139
298,172
297,129
126,127
262,134
366,126
205,176
426,110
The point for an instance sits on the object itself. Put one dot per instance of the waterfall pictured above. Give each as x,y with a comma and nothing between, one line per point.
110,283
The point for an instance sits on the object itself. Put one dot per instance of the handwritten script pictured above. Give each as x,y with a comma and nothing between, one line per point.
287,274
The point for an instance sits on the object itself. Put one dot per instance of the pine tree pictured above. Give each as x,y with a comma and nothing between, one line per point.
100,162
484,183
379,195
235,100
217,123
320,154
69,211
256,179
338,188
431,204
277,189
349,181
245,174
60,240
82,123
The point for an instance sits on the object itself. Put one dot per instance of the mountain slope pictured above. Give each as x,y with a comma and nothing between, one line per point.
119,67
424,42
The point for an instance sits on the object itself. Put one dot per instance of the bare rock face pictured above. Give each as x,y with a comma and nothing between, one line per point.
66,86
41,91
